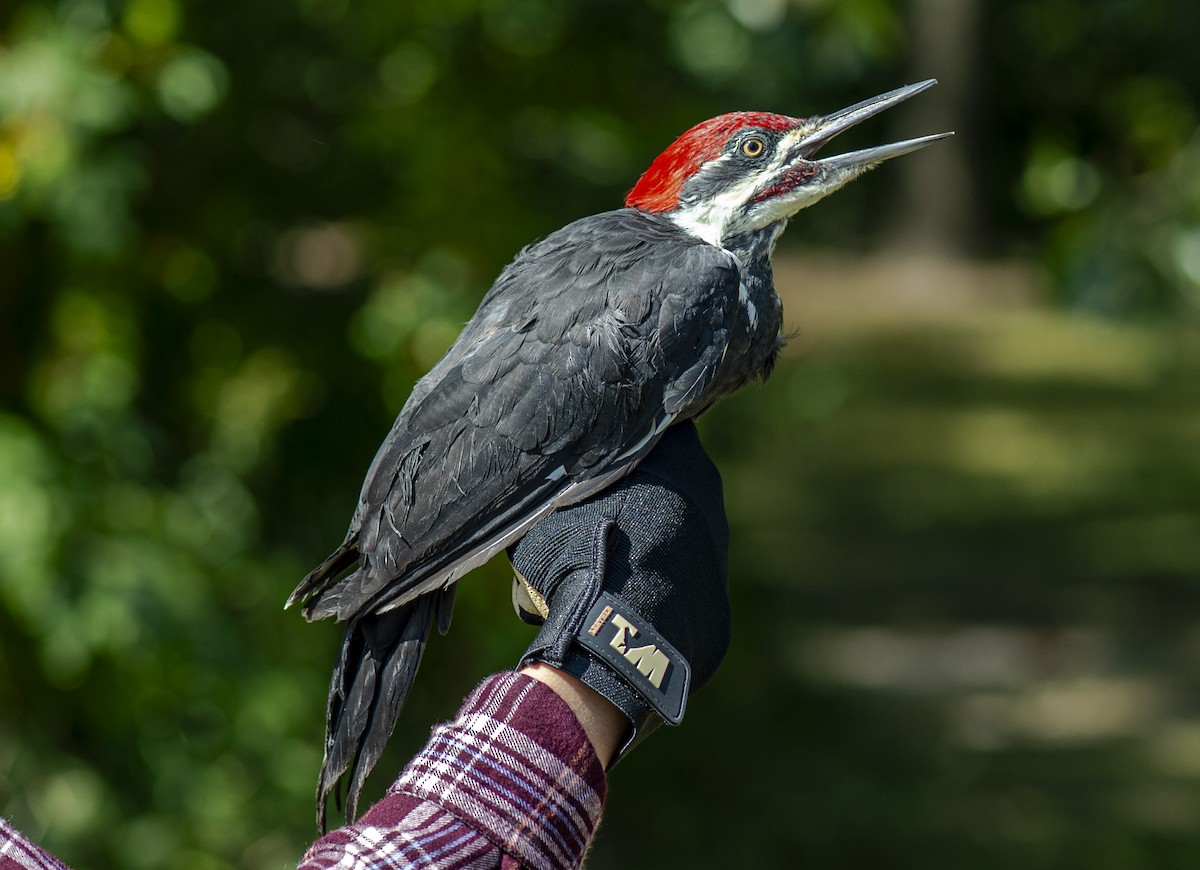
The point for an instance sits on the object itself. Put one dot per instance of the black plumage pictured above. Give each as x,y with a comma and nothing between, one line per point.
588,345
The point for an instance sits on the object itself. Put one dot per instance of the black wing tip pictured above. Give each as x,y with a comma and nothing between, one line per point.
314,605
313,591
323,607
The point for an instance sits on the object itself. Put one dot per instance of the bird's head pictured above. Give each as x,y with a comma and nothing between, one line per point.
745,171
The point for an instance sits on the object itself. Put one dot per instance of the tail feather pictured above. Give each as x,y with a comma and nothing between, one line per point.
376,668
396,679
346,717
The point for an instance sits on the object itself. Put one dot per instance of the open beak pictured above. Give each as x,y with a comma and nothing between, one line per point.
826,128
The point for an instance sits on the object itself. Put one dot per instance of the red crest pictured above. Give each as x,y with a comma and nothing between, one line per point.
658,188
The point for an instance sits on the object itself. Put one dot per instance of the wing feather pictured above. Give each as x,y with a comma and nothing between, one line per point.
575,356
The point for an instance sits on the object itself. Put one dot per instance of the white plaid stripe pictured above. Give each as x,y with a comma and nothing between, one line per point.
428,837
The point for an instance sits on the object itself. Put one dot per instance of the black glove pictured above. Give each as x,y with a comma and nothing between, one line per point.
631,587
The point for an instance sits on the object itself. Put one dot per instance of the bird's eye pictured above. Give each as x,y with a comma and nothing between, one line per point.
753,147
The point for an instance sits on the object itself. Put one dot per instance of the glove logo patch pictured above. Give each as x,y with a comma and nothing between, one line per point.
650,664
649,659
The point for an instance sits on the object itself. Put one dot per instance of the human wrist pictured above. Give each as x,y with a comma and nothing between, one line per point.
605,725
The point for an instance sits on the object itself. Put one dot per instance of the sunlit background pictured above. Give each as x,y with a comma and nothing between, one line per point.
966,509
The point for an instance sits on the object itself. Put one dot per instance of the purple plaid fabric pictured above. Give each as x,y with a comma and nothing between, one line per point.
512,781
17,853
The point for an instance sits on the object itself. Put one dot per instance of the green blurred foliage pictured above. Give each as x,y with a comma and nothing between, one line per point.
966,547
1108,156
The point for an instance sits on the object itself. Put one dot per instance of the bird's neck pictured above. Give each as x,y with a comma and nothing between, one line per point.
755,340
749,246
755,247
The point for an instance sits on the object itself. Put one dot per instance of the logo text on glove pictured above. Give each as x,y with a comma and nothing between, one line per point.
654,668
649,659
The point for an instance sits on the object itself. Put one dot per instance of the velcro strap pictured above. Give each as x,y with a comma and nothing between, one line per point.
615,634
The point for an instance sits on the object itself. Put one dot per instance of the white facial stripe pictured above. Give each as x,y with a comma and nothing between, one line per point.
714,219
709,219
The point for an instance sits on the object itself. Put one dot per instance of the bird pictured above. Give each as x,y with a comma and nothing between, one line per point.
588,346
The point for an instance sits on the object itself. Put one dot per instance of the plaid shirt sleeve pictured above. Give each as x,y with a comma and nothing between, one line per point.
17,853
512,782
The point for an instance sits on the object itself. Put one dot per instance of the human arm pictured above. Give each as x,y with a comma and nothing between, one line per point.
601,720
512,780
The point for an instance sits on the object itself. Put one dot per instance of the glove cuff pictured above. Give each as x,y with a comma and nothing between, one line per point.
623,657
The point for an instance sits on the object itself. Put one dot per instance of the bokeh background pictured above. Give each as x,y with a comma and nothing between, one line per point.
966,509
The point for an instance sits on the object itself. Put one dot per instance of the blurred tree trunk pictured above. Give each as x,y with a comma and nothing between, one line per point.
936,209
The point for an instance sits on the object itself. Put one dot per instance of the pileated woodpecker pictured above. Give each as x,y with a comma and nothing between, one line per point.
588,346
